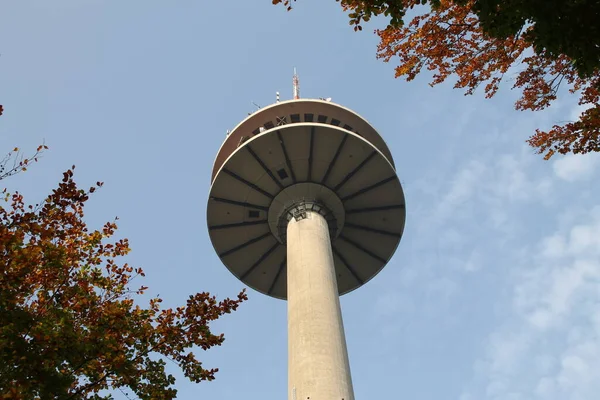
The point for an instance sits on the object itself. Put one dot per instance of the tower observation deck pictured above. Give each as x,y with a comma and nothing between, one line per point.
305,205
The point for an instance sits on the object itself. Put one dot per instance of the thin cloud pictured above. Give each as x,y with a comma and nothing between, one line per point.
573,168
549,348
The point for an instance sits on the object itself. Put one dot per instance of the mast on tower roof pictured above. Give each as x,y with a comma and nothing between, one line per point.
296,83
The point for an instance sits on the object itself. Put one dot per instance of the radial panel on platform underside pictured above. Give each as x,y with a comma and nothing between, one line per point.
257,171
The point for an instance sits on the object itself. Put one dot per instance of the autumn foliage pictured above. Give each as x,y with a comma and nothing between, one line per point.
15,161
69,325
540,45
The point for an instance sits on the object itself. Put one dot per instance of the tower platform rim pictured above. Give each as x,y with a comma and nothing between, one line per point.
384,258
378,138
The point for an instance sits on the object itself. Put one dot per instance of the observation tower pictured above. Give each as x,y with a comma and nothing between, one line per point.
305,205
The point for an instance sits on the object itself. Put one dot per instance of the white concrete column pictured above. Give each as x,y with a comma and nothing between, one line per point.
318,367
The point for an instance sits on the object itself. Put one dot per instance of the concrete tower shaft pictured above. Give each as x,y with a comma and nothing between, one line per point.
318,366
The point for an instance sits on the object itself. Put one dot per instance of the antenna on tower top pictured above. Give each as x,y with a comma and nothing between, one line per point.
296,82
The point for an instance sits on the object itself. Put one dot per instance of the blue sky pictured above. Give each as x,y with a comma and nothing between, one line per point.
493,292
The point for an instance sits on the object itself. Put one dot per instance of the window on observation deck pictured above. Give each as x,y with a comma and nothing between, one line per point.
295,118
308,117
335,122
347,127
269,125
282,173
322,119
